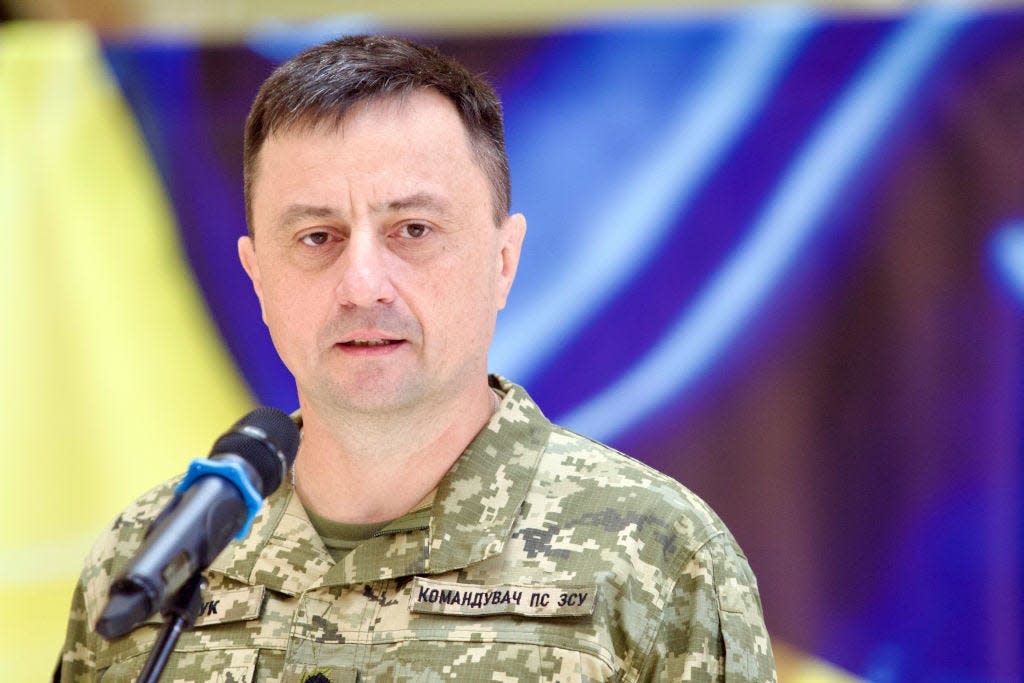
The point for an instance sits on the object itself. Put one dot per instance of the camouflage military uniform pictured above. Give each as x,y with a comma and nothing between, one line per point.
545,557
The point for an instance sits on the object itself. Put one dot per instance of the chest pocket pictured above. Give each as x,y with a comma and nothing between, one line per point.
218,649
428,630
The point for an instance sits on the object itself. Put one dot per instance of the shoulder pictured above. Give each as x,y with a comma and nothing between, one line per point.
623,504
613,491
697,592
667,565
117,543
109,555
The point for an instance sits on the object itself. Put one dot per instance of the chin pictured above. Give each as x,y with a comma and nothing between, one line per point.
367,396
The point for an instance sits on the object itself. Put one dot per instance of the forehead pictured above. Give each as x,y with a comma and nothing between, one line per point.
416,121
394,145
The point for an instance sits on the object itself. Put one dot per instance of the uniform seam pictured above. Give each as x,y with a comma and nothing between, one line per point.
272,535
665,599
505,636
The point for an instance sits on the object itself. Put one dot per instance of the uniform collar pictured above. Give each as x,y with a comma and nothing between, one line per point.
474,509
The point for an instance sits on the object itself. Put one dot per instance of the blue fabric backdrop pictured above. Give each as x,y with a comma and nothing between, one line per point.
776,254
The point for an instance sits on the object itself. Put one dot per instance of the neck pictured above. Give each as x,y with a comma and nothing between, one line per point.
360,468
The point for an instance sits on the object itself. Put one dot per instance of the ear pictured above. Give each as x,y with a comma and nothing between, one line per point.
247,255
512,232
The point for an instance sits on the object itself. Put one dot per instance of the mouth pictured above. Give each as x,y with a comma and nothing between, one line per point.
368,343
369,346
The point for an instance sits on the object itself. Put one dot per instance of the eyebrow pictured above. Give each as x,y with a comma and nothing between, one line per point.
297,212
419,200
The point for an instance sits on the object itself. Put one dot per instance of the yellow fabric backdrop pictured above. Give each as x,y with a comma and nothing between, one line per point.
113,376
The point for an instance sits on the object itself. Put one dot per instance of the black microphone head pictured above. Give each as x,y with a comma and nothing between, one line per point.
268,440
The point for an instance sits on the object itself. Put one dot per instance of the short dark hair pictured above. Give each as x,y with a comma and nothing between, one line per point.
321,84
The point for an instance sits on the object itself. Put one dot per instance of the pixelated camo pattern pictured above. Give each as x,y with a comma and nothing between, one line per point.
546,557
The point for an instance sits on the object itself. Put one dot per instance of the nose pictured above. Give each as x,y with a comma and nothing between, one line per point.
363,277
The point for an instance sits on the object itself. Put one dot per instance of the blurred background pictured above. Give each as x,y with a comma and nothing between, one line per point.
776,251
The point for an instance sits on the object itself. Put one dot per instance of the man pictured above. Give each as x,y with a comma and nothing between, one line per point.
436,525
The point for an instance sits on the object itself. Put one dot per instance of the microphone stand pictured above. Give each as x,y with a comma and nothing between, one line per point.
180,613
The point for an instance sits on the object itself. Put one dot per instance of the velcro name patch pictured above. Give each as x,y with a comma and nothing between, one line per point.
471,600
222,607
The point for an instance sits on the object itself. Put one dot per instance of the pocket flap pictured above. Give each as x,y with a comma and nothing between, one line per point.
236,665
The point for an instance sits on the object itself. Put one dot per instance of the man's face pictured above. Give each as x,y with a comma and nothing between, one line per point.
376,260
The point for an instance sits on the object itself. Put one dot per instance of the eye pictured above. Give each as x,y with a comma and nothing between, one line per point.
315,239
413,230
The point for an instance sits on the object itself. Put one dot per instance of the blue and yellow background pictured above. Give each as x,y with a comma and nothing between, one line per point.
775,252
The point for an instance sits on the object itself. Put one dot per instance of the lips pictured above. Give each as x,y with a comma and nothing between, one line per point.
361,336
371,342
369,347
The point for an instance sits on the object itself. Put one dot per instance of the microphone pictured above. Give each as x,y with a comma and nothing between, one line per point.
217,499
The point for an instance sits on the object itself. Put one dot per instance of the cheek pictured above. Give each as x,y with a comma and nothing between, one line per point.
292,310
470,295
